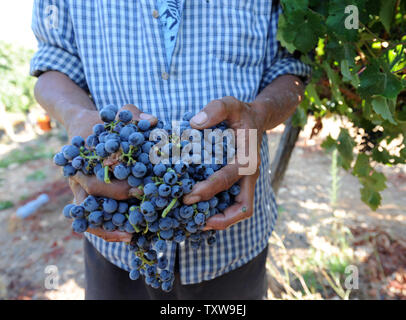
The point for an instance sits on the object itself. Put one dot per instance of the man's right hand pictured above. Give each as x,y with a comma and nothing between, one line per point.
82,126
112,236
82,185
71,106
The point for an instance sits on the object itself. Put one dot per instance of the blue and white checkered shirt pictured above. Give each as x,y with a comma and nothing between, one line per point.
116,51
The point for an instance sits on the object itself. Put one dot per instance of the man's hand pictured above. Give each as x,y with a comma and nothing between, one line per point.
82,126
239,116
271,107
71,106
82,185
115,236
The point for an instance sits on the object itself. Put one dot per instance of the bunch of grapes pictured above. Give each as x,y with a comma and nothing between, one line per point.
121,148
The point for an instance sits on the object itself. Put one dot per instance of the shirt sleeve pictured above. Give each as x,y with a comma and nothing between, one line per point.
57,50
278,60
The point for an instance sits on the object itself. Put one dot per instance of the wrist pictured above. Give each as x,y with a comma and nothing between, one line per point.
261,114
75,116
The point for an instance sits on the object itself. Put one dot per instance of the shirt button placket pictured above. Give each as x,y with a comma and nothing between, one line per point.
165,75
155,14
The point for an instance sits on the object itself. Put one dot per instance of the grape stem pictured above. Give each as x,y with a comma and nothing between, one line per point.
134,226
169,207
129,155
111,126
140,254
106,174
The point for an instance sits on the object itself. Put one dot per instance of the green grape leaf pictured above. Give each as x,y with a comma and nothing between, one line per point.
403,153
329,144
299,26
345,70
393,86
362,167
307,39
372,81
387,12
345,148
284,36
348,76
380,156
377,181
371,197
309,32
365,74
291,6
336,21
401,115
299,118
381,107
313,95
335,83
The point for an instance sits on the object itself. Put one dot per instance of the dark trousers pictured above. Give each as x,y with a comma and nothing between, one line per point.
105,281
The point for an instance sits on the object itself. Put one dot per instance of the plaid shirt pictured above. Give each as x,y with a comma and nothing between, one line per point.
116,51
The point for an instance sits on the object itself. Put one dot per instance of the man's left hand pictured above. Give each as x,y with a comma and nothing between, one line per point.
237,115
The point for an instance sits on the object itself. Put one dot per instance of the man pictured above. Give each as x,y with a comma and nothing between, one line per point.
166,57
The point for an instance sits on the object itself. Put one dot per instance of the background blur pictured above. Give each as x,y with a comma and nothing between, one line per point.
327,243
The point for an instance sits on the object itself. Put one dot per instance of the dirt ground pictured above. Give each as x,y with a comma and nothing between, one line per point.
307,218
36,249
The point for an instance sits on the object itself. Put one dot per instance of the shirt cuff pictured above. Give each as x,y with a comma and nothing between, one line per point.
52,58
287,66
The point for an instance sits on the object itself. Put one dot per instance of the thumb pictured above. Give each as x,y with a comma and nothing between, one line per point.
78,192
213,113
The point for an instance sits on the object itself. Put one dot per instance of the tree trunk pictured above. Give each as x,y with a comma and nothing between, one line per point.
283,153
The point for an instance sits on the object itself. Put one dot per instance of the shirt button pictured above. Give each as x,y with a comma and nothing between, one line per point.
155,13
165,75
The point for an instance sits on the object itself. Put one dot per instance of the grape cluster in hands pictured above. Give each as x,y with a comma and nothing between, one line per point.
120,149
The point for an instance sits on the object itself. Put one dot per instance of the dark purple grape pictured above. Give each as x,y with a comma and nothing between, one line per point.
107,114
139,170
112,145
70,152
118,219
78,141
170,178
69,170
60,160
66,210
121,172
98,129
96,218
80,225
125,116
78,162
90,203
144,125
136,139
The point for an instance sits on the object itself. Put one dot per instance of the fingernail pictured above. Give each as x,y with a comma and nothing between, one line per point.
146,116
193,199
200,118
